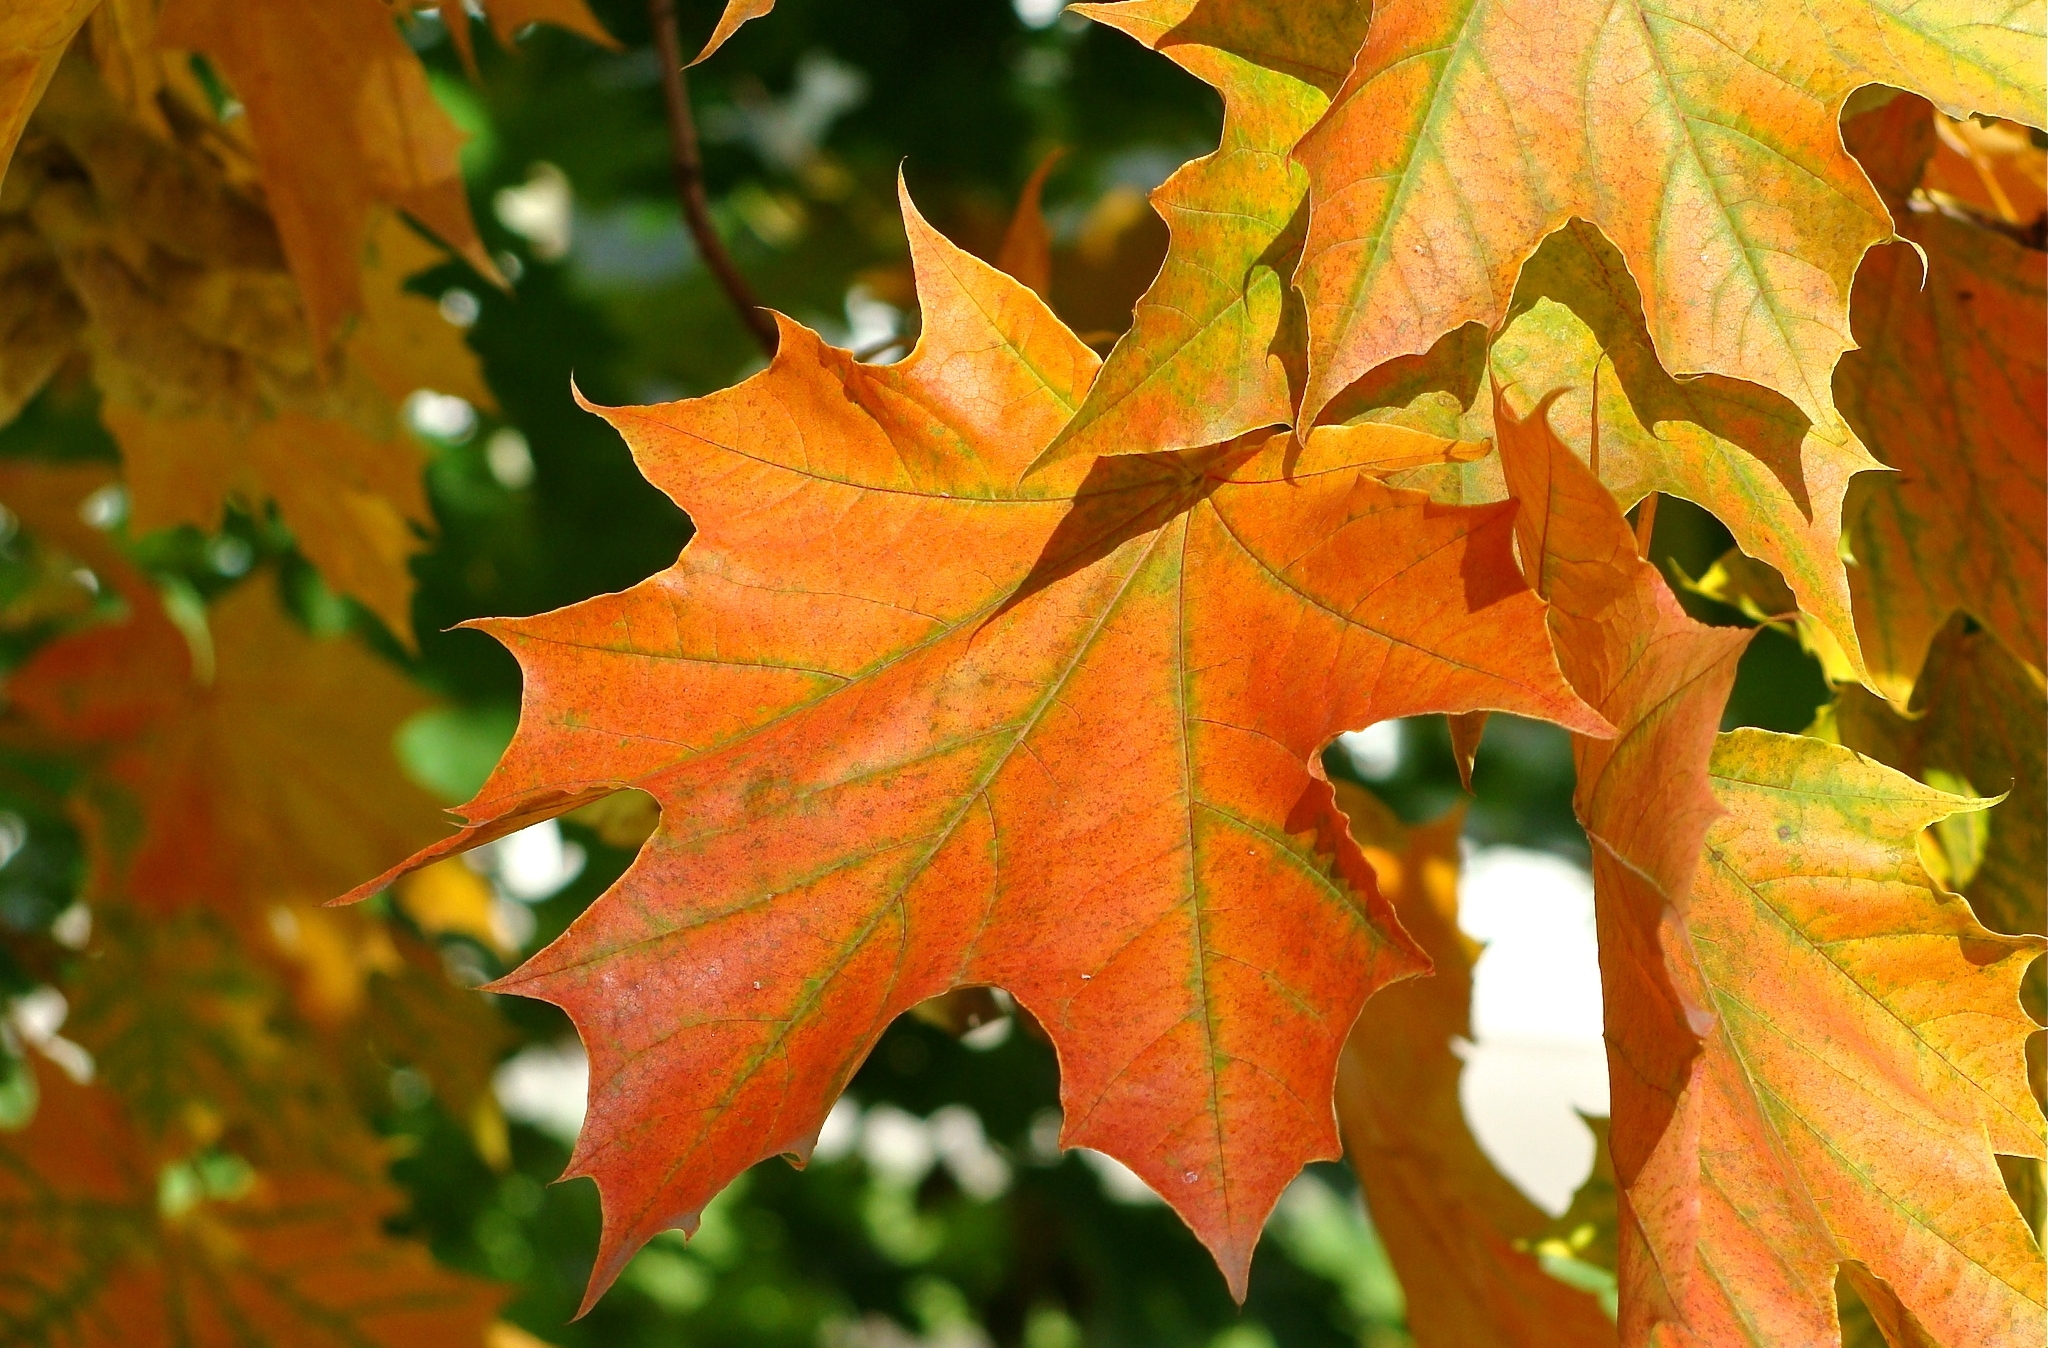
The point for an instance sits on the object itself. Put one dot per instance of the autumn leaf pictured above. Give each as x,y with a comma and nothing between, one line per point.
1775,479
107,1241
1978,725
33,36
507,17
1866,1067
1205,358
1761,595
735,13
335,138
1949,390
1575,330
253,773
197,337
919,720
1700,138
40,320
1026,252
1991,166
1455,1228
1644,800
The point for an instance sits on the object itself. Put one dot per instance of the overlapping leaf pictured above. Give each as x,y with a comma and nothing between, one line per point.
1866,1066
1644,800
1575,330
104,1245
144,253
1206,358
1978,723
1776,480
33,36
255,771
1451,1222
1701,138
918,720
1950,389
334,138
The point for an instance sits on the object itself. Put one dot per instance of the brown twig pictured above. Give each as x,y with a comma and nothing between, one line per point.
687,165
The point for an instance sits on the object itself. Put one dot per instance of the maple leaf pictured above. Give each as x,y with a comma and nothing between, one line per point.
1978,722
507,17
1866,1065
1949,390
334,138
196,334
106,1244
917,720
1775,479
1026,252
1205,358
1701,138
1455,1228
33,36
1644,800
257,774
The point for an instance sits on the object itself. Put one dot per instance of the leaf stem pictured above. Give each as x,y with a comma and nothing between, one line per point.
687,166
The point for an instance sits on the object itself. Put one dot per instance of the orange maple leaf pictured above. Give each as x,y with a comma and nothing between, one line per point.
334,137
1645,802
1210,353
1700,137
104,1245
1455,1228
1867,1067
1950,389
918,720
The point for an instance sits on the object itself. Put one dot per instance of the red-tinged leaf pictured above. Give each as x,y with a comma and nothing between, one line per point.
919,720
336,136
103,1249
1950,389
258,774
1866,1069
1699,136
1206,358
1456,1230
1644,800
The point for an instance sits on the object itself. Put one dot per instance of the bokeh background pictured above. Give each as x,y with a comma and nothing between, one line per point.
938,1210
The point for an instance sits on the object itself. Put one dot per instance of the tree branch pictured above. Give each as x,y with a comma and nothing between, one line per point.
687,165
